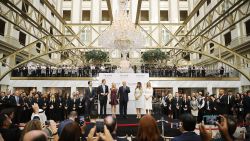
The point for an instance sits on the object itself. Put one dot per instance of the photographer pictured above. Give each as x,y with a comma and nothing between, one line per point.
226,127
106,136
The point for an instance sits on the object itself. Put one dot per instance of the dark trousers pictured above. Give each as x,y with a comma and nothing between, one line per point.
123,107
90,107
200,115
103,107
177,113
17,117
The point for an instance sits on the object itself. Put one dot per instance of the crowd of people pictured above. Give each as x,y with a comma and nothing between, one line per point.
198,104
94,70
72,129
49,109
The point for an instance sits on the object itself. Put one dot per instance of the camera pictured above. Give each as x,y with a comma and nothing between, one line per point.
100,125
175,125
47,123
81,120
211,119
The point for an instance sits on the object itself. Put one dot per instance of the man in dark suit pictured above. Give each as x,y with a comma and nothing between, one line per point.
231,102
188,126
89,98
222,103
246,103
18,103
123,96
103,91
177,105
209,106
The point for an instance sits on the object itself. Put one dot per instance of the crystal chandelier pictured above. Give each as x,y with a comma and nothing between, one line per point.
122,34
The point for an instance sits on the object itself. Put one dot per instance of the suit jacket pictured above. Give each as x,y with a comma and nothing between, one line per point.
222,105
186,104
123,94
11,100
246,104
89,94
20,101
61,102
187,136
211,105
175,102
100,90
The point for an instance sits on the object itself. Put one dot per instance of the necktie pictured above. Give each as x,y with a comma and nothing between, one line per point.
17,100
103,87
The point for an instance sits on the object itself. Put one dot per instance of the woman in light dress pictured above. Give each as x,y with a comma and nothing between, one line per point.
194,107
148,94
138,99
169,105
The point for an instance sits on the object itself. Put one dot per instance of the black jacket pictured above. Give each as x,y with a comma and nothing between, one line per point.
123,94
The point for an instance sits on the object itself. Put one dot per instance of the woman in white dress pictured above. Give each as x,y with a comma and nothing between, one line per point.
194,107
138,99
148,94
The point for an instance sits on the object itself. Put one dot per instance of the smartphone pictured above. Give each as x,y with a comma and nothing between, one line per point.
175,125
100,125
211,119
81,120
47,123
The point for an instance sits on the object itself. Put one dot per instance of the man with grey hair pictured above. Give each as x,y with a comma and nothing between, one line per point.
123,96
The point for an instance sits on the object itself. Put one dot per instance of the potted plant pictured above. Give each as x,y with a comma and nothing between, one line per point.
96,56
153,56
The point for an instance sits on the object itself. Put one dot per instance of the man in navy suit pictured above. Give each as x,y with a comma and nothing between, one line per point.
187,128
103,91
123,96
222,102
90,98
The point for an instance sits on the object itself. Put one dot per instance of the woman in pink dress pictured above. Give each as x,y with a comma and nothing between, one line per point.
113,99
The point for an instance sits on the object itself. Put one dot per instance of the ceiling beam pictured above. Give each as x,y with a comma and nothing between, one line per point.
138,12
110,11
191,15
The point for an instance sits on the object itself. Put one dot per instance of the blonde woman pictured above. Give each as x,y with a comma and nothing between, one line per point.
194,107
138,99
148,94
169,105
113,99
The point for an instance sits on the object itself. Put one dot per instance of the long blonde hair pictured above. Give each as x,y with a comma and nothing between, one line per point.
148,85
170,96
113,86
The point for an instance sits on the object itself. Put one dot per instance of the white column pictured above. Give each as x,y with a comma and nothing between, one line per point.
174,11
115,8
76,15
210,89
40,89
96,11
154,18
154,11
175,89
134,4
73,89
240,89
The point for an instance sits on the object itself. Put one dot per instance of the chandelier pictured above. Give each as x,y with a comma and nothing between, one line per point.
122,34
